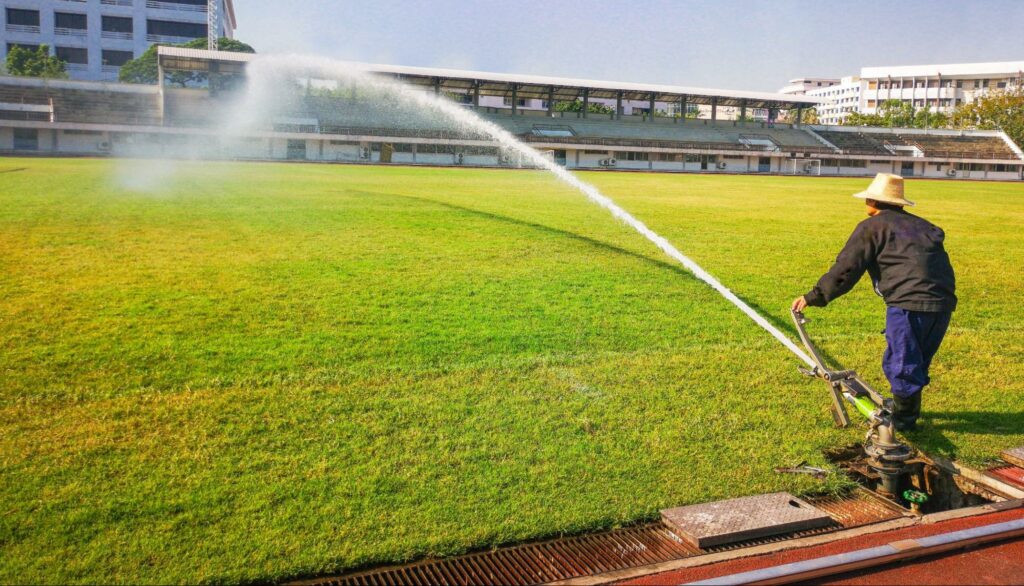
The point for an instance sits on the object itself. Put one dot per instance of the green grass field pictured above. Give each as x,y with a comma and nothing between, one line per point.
253,372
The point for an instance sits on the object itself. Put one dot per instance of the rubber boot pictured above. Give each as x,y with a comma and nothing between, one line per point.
907,410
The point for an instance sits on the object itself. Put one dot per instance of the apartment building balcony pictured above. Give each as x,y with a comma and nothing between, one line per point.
175,6
116,36
169,39
70,32
22,28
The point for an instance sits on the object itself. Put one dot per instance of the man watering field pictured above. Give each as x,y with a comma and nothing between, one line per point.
911,271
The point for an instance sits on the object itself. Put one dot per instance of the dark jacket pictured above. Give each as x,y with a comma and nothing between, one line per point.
905,258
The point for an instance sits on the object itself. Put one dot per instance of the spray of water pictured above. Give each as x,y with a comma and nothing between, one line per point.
266,73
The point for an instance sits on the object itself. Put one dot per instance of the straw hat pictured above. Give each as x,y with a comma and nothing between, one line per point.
886,188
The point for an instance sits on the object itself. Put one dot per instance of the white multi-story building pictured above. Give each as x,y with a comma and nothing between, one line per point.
801,85
839,100
938,87
96,37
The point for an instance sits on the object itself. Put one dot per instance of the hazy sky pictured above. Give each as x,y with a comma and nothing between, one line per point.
720,44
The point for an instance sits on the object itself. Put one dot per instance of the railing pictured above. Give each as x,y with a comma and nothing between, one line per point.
23,28
70,32
168,39
175,6
115,35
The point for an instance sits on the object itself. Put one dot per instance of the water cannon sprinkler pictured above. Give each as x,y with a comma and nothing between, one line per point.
886,454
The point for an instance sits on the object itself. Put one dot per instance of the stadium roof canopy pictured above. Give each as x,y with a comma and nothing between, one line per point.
502,84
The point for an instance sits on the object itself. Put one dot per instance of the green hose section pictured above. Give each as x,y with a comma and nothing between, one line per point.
864,405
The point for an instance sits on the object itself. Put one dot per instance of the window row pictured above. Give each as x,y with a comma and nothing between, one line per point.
72,22
80,55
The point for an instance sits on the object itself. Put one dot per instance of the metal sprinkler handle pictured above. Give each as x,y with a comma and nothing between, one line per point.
885,452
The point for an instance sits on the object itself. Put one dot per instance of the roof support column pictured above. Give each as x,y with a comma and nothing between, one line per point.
714,109
743,112
437,86
799,115
650,108
515,99
586,101
618,105
476,94
159,88
682,108
551,101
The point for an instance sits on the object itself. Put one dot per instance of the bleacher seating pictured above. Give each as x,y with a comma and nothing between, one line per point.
858,143
88,105
966,147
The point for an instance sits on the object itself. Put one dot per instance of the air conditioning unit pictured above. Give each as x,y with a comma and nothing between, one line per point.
364,153
606,162
459,158
951,173
720,166
103,146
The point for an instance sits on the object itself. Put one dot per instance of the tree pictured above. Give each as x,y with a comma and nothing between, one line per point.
809,116
577,106
143,69
39,63
899,114
1001,110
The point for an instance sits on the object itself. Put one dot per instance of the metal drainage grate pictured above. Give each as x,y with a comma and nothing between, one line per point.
586,555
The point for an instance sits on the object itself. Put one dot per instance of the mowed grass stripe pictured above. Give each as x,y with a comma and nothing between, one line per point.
251,372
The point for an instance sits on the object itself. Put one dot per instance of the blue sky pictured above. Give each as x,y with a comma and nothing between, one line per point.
733,44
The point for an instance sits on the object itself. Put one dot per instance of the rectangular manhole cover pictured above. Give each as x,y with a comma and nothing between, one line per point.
717,523
1015,456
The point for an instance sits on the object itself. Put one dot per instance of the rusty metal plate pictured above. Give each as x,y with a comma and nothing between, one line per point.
1015,456
751,517
1011,475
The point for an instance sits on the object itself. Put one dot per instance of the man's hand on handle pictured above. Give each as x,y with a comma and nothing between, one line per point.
799,304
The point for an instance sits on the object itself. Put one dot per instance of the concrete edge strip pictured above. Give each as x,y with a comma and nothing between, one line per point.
873,556
703,560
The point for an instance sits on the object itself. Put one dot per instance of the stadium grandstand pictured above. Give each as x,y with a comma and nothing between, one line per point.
60,117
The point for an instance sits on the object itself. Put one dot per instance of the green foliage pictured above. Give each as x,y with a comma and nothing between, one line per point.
577,106
809,116
999,110
23,62
143,69
899,114
261,371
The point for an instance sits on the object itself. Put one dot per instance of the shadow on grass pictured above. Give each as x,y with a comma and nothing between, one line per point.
539,227
931,435
782,325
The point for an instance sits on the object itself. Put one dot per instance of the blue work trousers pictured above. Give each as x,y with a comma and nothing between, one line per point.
914,338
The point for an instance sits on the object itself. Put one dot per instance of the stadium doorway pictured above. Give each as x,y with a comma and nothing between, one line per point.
907,169
559,157
764,165
296,149
705,160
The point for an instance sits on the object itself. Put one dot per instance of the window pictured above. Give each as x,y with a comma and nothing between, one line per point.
872,85
519,102
19,17
69,20
871,103
73,55
116,58
854,163
1001,85
170,28
960,84
632,156
23,46
117,24
400,147
26,139
668,157
589,152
